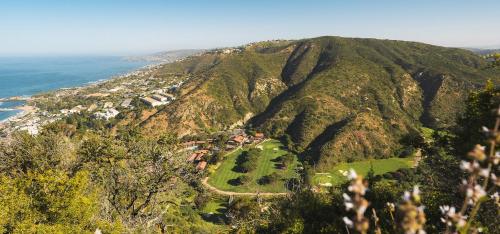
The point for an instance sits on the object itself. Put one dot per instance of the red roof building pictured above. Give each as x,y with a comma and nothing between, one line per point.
259,135
192,157
199,156
239,139
188,143
201,165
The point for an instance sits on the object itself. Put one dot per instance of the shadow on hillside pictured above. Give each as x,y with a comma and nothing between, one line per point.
216,218
234,182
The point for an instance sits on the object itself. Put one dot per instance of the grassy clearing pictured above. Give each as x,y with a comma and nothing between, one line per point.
380,166
272,149
213,212
214,206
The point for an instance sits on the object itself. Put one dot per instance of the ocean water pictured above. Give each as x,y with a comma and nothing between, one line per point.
25,76
6,109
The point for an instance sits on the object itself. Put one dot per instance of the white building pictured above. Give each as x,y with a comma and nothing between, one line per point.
126,102
159,98
108,105
151,102
32,129
76,109
107,114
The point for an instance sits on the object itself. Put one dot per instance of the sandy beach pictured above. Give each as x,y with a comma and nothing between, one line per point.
25,110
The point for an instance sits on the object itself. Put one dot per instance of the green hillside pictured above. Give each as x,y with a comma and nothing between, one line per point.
339,99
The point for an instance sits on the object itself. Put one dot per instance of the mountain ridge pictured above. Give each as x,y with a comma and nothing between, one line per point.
337,98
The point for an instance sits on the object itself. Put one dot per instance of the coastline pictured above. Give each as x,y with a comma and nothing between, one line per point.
27,109
24,110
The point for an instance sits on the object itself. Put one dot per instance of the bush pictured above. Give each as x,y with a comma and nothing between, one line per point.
270,179
248,166
247,161
287,160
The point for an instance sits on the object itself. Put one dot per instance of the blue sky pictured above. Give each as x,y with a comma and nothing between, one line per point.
142,26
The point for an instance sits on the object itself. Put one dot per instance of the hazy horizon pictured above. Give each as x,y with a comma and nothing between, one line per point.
120,28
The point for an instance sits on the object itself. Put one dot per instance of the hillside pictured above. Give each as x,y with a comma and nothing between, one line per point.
338,98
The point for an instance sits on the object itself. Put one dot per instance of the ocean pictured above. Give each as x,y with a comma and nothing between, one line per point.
25,76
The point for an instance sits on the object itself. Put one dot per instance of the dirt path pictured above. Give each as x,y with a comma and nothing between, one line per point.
204,181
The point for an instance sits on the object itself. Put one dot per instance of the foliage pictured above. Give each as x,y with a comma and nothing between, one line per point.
247,161
226,177
61,183
270,179
332,99
287,160
50,201
479,108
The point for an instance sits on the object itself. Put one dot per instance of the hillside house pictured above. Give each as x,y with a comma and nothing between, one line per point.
160,98
126,103
107,114
259,135
108,105
151,102
201,166
239,139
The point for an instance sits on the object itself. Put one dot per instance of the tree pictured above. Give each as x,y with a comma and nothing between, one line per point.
133,173
287,160
270,179
287,140
243,213
247,161
216,157
478,111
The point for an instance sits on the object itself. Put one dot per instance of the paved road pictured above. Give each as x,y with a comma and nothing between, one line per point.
204,181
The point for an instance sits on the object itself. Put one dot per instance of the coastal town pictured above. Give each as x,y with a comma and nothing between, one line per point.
103,100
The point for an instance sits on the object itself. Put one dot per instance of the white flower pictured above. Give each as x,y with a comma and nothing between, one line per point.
348,205
495,179
485,129
352,174
484,172
348,222
446,209
406,196
466,166
362,209
391,205
495,196
469,192
461,223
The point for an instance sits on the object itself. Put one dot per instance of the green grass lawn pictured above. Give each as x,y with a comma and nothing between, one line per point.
214,206
380,166
225,172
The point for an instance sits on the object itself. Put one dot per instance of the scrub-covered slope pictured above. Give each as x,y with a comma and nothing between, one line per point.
338,98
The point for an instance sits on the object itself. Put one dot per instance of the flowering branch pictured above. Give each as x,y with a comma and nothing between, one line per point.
357,203
479,168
